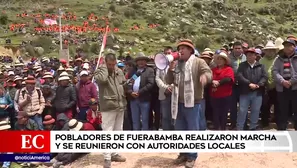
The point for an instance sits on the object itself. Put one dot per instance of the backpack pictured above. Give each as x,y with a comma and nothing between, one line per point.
38,92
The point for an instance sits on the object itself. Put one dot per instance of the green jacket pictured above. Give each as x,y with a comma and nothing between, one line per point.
111,89
30,126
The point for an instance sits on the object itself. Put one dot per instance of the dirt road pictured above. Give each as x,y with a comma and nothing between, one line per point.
205,160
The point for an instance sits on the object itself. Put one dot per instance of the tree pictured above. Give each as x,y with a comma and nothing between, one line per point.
95,48
3,19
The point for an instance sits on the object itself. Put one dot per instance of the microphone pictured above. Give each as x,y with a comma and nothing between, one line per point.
134,77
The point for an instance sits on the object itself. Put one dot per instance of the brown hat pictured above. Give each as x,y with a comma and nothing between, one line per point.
79,59
205,54
186,42
291,37
48,119
21,114
30,80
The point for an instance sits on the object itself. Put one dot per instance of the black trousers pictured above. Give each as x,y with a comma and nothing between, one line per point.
287,101
269,99
155,114
127,125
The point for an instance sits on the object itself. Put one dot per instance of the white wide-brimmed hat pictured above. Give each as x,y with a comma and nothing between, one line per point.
4,124
270,46
70,69
279,43
47,75
222,54
61,68
84,72
16,78
64,76
86,66
75,125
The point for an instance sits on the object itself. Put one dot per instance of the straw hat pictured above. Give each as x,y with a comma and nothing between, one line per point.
48,119
205,54
225,56
61,68
78,59
86,66
18,64
84,73
270,46
64,76
10,73
75,125
86,61
279,43
141,56
30,80
4,124
36,67
16,78
70,69
47,75
39,69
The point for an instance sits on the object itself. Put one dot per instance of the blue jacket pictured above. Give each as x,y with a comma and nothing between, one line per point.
5,100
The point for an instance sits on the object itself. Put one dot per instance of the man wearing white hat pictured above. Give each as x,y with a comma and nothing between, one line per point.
65,100
85,90
269,98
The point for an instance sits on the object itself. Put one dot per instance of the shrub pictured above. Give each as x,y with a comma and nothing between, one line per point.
116,22
197,5
129,13
280,19
85,48
169,3
136,6
263,11
3,19
202,43
163,21
112,8
95,48
30,49
188,11
43,42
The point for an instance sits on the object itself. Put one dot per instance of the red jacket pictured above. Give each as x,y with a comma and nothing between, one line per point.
86,91
88,127
94,121
225,89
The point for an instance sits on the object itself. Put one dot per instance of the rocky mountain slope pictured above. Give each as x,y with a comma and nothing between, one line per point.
209,23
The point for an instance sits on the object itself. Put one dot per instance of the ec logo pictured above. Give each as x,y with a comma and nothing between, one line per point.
27,140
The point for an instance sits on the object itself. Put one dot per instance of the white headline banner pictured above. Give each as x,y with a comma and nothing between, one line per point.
172,141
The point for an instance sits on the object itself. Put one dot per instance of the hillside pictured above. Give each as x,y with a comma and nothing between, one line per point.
210,23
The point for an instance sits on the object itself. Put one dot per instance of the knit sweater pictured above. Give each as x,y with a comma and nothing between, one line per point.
199,67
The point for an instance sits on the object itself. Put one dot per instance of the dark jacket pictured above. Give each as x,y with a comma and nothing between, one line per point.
65,98
146,84
247,75
86,91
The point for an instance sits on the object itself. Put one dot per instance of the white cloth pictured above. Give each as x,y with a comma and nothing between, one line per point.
112,121
160,81
188,88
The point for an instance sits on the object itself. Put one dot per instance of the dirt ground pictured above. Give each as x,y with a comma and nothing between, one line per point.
205,160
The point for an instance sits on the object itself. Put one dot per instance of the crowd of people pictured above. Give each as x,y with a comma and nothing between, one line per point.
193,91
